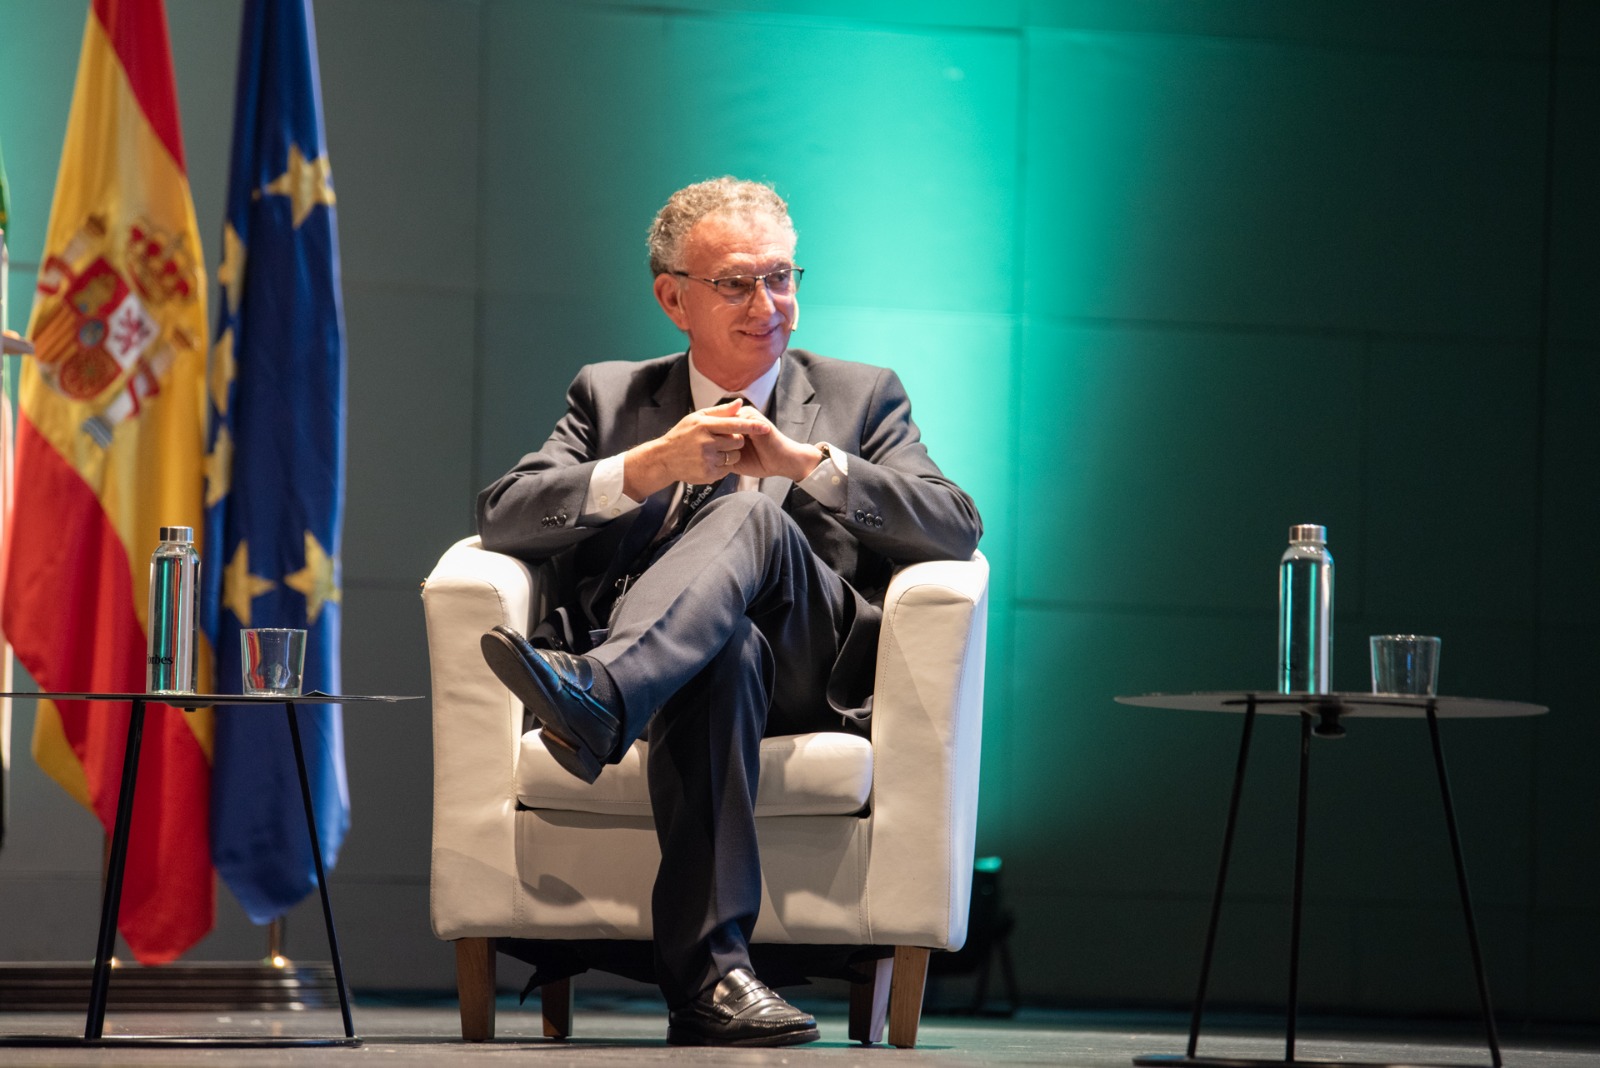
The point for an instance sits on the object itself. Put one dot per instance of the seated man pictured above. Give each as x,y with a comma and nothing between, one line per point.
728,519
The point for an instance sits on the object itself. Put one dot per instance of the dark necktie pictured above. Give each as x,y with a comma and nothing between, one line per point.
697,494
650,535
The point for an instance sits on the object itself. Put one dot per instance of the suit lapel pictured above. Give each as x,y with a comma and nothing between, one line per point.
795,413
671,403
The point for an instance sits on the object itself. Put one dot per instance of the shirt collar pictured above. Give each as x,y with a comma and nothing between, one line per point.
704,392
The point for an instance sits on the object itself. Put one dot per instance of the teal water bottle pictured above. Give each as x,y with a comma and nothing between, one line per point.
173,666
1305,612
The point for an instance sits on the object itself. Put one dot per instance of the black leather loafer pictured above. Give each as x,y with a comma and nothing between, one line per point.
740,1011
580,731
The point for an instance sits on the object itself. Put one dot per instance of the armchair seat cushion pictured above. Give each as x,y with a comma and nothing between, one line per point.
828,773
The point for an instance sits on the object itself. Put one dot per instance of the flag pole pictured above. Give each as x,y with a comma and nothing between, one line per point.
275,932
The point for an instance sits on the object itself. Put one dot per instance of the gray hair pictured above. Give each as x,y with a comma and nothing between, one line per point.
694,202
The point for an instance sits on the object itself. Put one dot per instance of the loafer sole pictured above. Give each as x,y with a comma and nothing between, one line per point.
525,681
688,1036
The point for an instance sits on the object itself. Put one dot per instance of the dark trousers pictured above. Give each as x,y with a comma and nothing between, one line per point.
729,636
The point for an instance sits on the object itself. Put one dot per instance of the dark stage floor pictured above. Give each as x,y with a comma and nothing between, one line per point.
623,1030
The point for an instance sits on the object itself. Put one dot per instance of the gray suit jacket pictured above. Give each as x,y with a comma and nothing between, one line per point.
899,509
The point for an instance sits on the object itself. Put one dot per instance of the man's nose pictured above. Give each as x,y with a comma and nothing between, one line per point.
761,302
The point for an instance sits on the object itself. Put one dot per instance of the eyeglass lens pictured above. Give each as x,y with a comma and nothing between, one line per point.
743,286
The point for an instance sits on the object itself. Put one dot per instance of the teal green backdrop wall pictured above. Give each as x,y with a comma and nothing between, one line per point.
1162,279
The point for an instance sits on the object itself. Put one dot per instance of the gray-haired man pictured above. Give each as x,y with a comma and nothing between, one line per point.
729,518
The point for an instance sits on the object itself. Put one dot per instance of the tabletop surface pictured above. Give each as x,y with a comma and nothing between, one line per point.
1391,705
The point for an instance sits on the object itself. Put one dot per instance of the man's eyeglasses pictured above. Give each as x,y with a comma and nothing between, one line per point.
738,288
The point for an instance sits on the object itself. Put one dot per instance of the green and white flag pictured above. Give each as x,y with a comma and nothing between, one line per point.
5,200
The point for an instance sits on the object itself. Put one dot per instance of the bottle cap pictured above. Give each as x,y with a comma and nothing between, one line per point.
1308,532
177,533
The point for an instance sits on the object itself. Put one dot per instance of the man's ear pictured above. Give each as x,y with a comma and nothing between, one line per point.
669,294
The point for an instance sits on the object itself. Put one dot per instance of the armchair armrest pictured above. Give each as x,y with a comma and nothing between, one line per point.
927,726
477,727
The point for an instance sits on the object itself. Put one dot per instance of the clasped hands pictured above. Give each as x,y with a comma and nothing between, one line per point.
705,445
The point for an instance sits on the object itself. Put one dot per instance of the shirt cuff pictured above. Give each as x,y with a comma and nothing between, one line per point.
829,482
606,501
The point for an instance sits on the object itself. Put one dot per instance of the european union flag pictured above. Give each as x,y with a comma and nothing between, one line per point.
275,465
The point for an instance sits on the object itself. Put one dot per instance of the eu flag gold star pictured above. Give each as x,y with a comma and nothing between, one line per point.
219,477
317,580
222,371
240,587
306,183
231,274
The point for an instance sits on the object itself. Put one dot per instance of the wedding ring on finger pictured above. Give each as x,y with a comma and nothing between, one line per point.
729,459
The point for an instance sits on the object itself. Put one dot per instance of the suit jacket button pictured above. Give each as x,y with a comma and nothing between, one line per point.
860,516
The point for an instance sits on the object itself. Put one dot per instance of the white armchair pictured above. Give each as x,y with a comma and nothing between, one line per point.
862,842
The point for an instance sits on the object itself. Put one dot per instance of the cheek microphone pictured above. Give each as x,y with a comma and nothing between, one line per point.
794,320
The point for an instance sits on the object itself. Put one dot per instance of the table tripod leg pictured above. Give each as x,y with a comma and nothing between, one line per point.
1461,882
1299,887
111,901
1222,875
322,877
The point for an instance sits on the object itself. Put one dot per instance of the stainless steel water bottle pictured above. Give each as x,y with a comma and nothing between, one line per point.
1305,612
174,611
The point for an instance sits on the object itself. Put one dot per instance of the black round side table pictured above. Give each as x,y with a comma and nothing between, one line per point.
1322,715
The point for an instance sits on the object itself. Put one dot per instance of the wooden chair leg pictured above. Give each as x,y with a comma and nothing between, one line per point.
555,999
869,1002
475,987
905,995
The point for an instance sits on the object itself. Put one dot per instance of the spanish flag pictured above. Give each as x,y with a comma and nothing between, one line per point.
110,446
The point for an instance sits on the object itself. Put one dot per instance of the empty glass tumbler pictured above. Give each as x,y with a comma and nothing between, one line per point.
273,659
1406,664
